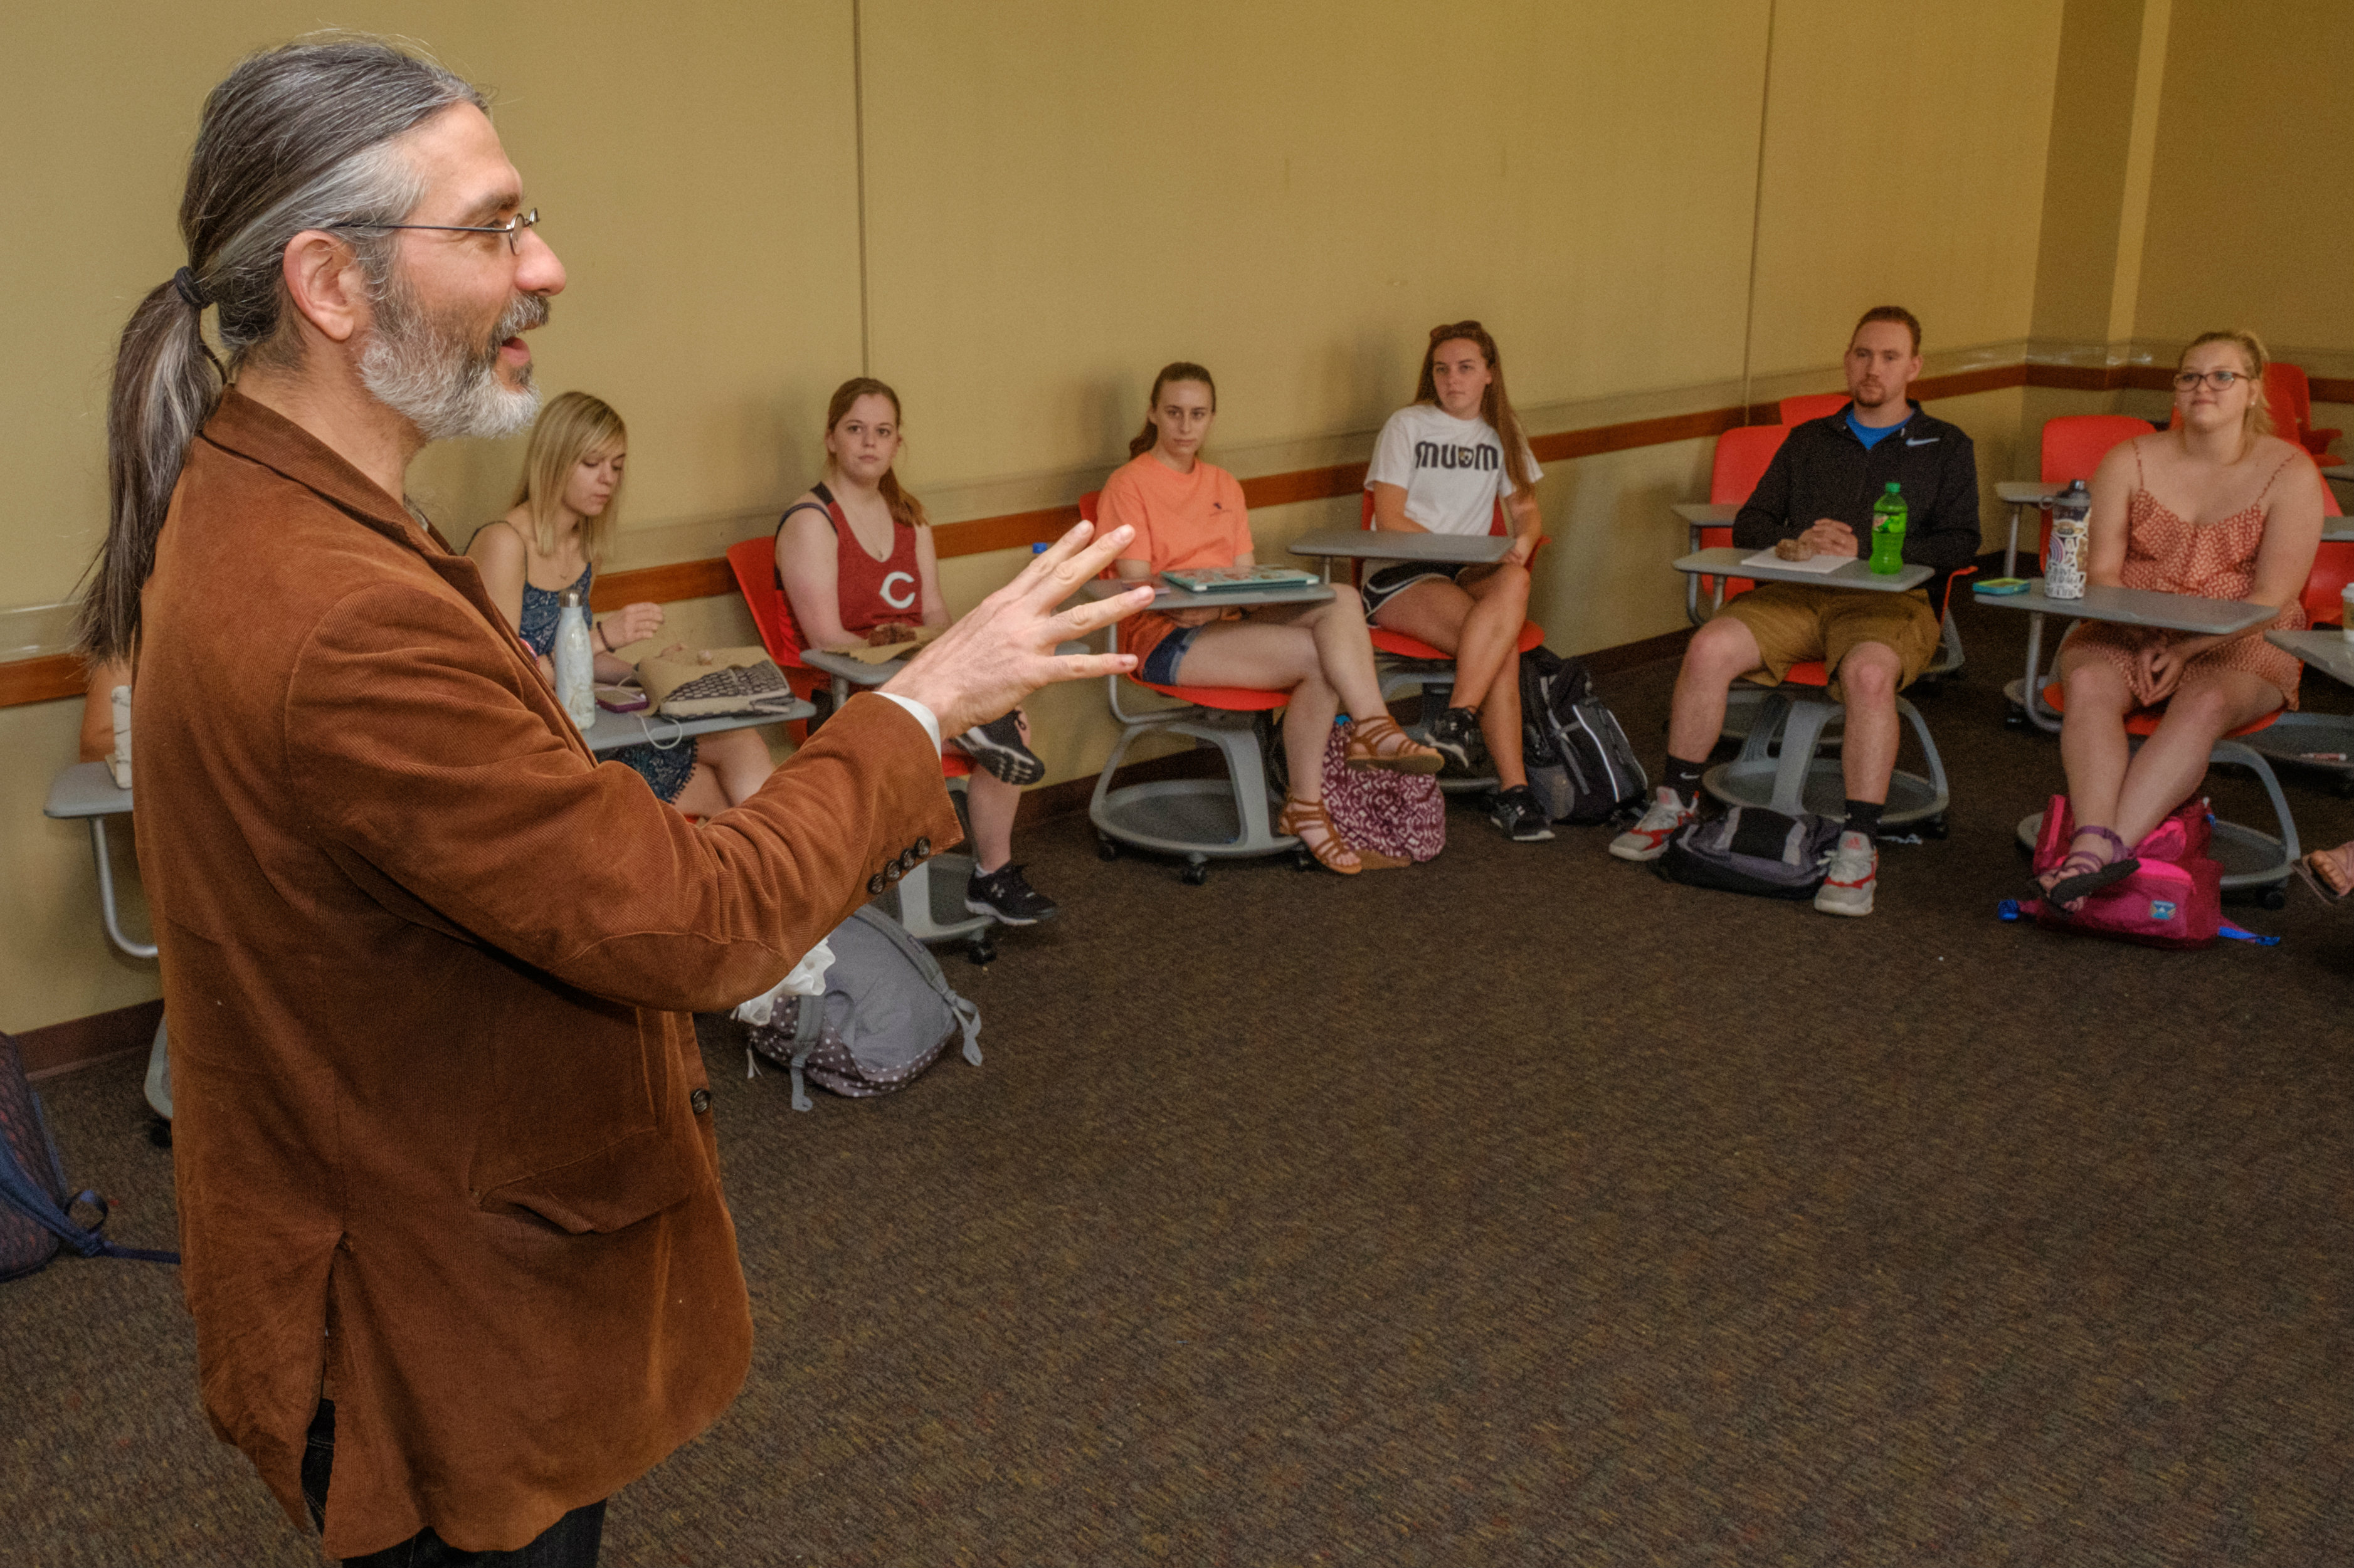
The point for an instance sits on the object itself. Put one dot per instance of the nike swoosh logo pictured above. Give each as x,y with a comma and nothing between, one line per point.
1925,441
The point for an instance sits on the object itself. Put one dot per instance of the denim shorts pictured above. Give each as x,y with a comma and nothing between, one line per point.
1159,666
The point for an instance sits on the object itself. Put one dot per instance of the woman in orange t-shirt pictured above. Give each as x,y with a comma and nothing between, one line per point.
1188,513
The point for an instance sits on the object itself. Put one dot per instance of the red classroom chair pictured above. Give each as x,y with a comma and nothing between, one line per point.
1742,455
1811,405
754,562
1199,819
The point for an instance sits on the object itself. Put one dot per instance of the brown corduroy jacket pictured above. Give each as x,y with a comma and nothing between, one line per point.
442,1144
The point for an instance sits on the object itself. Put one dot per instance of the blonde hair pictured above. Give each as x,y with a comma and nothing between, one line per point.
569,428
2251,348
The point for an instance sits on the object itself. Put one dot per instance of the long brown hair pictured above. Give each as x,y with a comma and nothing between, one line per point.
1175,370
904,508
2259,421
1495,405
569,428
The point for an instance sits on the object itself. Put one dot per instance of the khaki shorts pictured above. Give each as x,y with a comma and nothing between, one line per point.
1793,623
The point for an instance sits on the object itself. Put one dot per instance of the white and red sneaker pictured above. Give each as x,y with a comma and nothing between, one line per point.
1855,872
1647,840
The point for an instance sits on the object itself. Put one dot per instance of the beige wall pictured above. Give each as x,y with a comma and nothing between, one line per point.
1060,198
2252,141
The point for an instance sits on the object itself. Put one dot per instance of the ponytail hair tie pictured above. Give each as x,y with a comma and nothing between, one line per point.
190,289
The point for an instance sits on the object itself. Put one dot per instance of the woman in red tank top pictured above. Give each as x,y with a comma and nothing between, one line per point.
854,556
2214,508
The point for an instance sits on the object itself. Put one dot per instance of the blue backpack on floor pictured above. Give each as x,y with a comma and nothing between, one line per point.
35,1220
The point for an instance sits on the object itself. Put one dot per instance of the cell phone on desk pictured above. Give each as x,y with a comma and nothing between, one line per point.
622,699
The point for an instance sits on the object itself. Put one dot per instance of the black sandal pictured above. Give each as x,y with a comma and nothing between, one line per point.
2084,884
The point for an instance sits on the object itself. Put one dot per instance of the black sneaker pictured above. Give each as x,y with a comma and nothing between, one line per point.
997,747
1517,813
1005,896
1455,735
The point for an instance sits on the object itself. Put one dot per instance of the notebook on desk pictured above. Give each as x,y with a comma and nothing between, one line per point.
1235,579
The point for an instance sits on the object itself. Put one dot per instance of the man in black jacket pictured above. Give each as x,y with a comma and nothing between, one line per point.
1820,488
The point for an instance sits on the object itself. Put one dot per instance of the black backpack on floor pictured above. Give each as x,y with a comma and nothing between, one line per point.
1579,762
1752,850
34,1222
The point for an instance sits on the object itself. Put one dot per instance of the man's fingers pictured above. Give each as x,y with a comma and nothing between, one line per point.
1085,666
1071,561
1093,615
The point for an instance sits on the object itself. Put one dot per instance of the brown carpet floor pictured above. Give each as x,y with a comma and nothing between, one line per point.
1520,1208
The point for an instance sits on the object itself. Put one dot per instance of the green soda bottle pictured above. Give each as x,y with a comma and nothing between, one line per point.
1888,518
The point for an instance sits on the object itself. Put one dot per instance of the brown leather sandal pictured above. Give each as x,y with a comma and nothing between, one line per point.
1306,820
1377,742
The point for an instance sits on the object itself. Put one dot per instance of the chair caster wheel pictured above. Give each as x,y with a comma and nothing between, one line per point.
2014,718
1196,873
2274,898
1935,828
159,1132
1106,849
1302,861
980,950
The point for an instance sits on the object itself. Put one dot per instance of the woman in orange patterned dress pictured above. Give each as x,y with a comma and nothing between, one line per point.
2216,507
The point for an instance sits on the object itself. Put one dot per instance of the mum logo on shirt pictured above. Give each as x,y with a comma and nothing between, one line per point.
1431,454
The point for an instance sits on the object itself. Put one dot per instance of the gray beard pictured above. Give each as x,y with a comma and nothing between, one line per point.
446,385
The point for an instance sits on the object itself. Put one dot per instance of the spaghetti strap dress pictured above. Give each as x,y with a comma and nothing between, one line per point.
2167,554
666,768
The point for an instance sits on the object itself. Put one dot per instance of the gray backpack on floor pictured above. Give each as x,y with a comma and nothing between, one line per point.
887,1014
1752,850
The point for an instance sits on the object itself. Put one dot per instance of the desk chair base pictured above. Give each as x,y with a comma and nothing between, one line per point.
2295,737
1200,819
1778,767
928,902
159,1075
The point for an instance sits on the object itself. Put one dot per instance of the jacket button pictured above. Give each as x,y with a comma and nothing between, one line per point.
891,873
923,849
908,860
700,1100
874,885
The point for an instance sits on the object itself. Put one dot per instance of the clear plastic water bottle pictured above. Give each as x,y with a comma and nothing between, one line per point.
1888,515
576,662
2064,565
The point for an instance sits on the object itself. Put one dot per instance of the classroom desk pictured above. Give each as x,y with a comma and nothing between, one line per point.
1778,767
1166,599
2324,742
1329,544
2019,494
2251,859
1697,516
1730,561
85,791
613,731
1197,818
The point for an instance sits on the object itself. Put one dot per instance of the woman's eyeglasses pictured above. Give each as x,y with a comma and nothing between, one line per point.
2189,380
512,228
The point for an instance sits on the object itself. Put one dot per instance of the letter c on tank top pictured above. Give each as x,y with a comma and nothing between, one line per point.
898,589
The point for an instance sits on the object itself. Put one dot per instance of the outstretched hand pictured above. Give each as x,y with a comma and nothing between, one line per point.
980,668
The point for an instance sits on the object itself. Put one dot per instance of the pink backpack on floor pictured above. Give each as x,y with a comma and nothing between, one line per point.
2175,900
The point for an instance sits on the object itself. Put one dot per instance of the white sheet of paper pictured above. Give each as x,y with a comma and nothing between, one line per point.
1766,557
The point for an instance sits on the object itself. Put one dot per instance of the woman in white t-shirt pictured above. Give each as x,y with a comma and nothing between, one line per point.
1442,466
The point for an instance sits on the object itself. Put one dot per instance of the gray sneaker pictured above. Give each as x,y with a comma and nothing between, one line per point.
1855,871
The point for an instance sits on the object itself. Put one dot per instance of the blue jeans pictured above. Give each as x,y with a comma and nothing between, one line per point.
570,1542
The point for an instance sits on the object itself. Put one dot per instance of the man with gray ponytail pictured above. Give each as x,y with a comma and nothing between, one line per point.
449,1201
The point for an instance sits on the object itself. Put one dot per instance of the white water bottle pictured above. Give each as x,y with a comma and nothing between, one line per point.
576,662
2063,570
